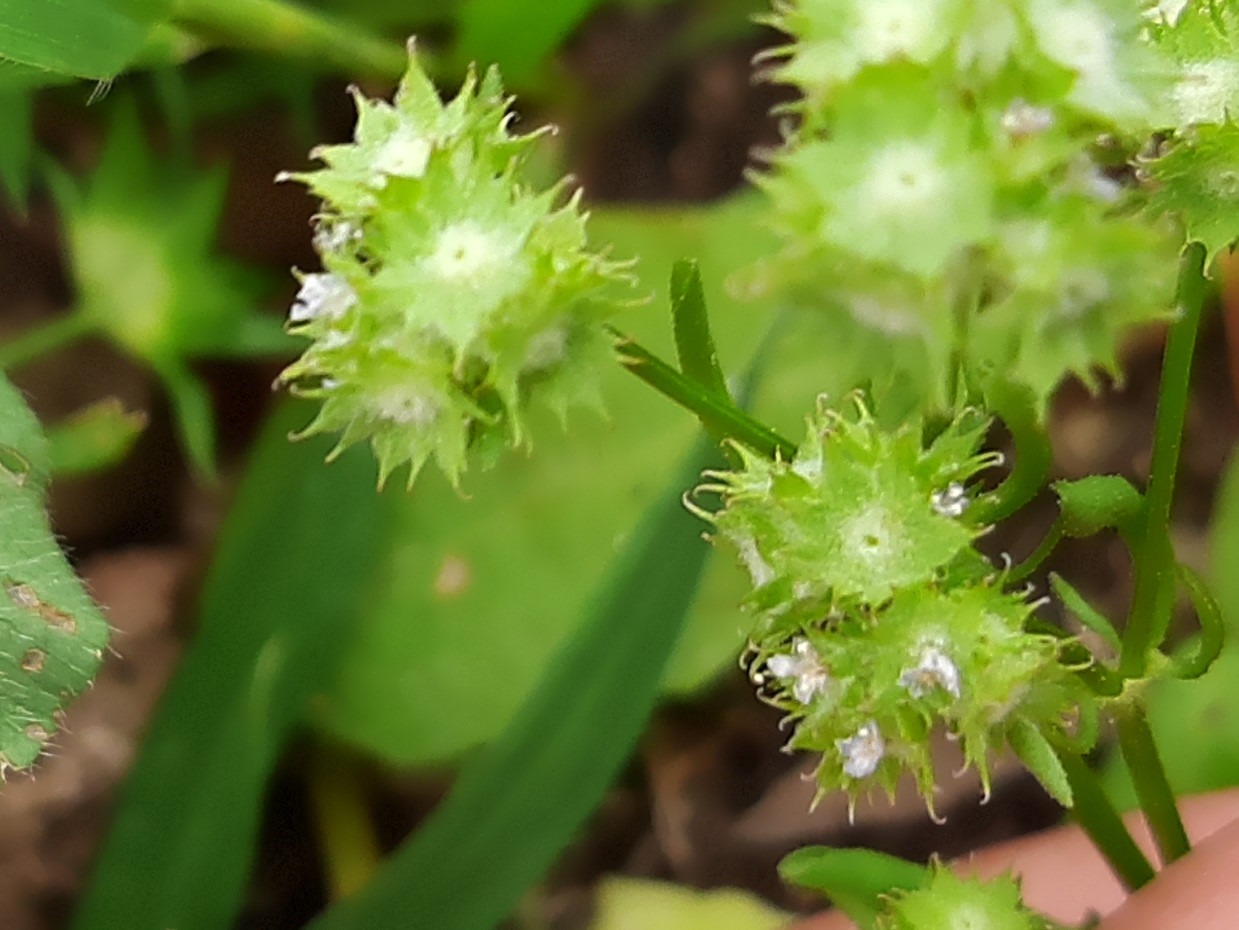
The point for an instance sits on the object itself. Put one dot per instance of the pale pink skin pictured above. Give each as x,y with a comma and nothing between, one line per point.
1064,877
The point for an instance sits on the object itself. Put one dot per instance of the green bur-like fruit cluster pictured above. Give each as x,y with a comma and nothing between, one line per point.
956,179
949,901
877,619
452,291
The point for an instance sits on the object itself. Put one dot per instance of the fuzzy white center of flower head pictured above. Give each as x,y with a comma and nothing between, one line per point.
322,296
867,535
1021,119
889,28
934,669
466,250
405,406
903,176
951,502
1206,91
862,751
404,154
803,667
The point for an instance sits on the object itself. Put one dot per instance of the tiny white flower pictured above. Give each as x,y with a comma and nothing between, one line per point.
951,502
322,296
334,235
862,751
1022,119
934,669
804,667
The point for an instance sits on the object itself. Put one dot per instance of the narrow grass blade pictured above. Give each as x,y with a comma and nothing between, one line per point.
520,803
279,602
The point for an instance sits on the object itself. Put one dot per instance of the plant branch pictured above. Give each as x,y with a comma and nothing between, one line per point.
350,848
284,28
1155,564
718,415
1099,819
44,338
1033,456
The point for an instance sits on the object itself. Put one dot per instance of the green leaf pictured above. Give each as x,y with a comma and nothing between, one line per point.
1040,758
518,805
278,607
517,35
1097,502
51,635
854,879
95,437
1198,181
85,38
624,903
16,144
1086,613
691,323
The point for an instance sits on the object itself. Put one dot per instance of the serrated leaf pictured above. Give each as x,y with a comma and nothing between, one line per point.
854,879
1197,181
277,609
1097,502
85,38
51,634
95,437
1040,758
533,786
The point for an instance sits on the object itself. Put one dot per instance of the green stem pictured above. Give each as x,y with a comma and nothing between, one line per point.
44,338
1149,778
284,28
717,414
1099,819
1017,409
1155,564
1052,538
350,848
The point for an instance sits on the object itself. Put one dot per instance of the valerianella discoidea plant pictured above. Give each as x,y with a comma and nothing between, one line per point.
451,291
876,618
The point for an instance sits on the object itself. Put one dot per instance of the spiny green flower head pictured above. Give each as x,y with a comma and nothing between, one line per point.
451,292
877,620
1195,175
1114,73
1075,277
141,237
950,901
900,160
859,513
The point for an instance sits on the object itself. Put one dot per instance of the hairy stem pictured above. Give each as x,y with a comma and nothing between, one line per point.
284,28
1099,819
47,337
1155,564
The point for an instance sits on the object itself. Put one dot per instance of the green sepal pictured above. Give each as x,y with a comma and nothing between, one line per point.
1097,502
1040,758
946,900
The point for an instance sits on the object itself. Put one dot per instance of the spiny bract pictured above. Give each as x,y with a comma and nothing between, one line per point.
452,290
